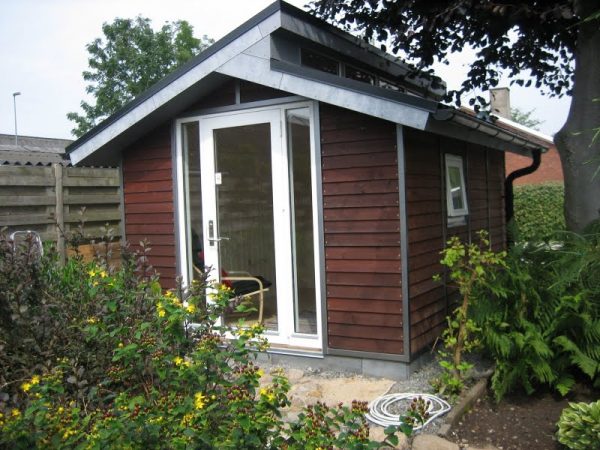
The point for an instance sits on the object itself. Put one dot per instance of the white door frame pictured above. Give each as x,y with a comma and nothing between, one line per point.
283,238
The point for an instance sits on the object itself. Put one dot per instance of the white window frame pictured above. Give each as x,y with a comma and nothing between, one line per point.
456,161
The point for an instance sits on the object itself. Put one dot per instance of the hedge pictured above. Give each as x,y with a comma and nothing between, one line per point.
539,210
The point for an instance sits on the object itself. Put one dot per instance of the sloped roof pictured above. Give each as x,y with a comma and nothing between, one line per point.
247,54
32,150
513,127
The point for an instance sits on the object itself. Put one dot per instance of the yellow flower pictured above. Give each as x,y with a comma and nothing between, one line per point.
169,294
25,387
15,412
267,394
199,400
121,345
260,373
187,419
68,433
35,379
61,410
191,309
103,274
187,363
95,283
161,313
178,360
92,273
91,320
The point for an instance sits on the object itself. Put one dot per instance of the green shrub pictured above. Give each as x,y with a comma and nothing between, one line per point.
539,210
541,316
579,426
98,358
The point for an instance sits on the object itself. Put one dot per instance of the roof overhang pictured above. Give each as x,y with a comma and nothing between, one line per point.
246,54
460,125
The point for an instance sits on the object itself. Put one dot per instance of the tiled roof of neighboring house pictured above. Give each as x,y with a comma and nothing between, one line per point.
32,151
516,128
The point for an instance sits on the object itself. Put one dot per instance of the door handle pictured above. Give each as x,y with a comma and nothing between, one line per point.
218,239
211,234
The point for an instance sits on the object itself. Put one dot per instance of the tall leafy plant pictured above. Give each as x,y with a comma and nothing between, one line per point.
541,316
470,268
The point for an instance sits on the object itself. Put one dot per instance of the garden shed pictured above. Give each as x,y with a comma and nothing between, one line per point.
301,155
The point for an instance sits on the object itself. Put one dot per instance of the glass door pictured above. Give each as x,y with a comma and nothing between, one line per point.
257,217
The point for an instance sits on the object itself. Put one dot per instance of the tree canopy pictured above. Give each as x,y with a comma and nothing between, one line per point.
129,59
525,118
532,41
553,45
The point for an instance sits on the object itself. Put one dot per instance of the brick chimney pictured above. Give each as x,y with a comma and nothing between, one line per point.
500,102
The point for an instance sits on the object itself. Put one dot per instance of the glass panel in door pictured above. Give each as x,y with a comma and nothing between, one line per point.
299,151
244,201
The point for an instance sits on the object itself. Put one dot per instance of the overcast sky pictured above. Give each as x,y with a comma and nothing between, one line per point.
42,54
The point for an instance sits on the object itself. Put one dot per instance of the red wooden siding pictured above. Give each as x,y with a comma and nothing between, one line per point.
427,223
425,211
362,232
148,194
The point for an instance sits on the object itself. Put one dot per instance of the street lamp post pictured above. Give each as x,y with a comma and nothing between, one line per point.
15,108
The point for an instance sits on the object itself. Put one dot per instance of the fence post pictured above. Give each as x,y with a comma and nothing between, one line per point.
59,216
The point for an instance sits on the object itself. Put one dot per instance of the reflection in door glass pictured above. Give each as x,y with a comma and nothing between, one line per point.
191,154
245,215
298,130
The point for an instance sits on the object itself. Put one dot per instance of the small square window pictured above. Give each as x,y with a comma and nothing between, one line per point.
320,62
359,75
456,195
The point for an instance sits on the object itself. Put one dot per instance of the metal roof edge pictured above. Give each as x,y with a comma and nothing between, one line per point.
357,86
182,70
502,136
517,126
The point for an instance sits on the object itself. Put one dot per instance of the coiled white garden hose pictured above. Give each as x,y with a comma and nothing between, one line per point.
380,414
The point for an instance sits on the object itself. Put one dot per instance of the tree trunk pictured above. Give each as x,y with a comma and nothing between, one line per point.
579,154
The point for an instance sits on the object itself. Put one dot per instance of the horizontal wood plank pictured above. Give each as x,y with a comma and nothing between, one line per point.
360,187
365,332
369,306
366,345
365,292
384,213
353,318
361,201
363,226
379,253
363,279
362,266
362,239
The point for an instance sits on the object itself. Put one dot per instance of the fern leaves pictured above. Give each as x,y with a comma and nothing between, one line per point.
541,316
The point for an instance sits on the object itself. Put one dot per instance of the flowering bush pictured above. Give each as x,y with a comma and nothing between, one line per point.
130,366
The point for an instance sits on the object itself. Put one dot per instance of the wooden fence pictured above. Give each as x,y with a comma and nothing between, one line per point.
50,200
